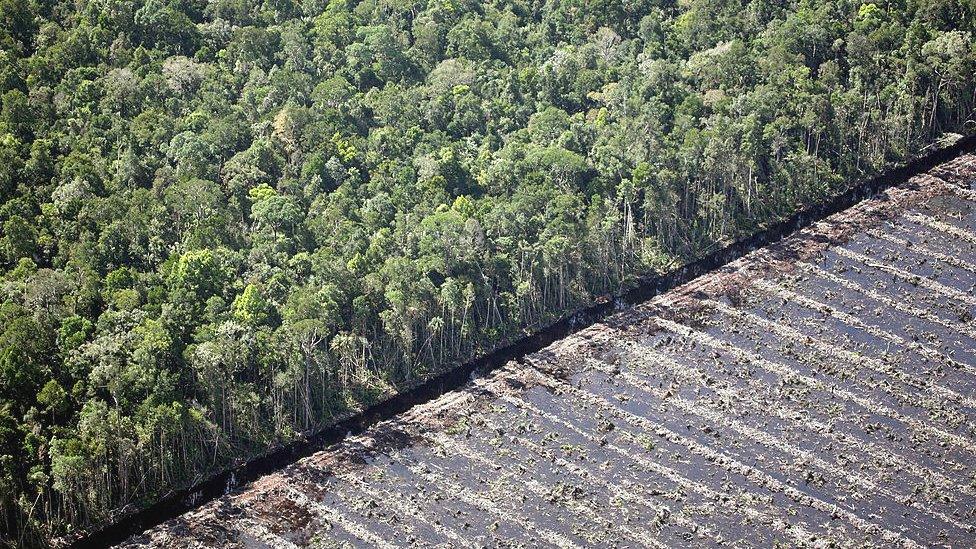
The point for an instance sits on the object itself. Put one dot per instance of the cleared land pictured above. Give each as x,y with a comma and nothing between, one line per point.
819,390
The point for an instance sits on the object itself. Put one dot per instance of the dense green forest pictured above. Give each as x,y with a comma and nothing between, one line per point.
225,223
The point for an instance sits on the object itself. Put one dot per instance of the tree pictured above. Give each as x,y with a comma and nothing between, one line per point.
199,274
22,359
250,307
54,399
15,115
19,239
273,211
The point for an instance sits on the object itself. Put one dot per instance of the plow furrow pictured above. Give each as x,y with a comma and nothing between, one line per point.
583,510
912,278
796,533
339,518
898,305
716,416
800,419
433,476
632,494
838,352
942,226
787,372
921,248
397,503
733,466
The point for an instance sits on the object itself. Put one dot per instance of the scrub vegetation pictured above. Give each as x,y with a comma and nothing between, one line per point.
227,223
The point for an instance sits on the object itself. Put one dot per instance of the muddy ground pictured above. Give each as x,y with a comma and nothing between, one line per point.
818,392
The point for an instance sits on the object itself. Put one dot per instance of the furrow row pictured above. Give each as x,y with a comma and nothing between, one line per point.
798,535
734,466
703,410
338,518
787,372
942,227
583,510
840,353
896,304
927,283
797,417
426,471
922,249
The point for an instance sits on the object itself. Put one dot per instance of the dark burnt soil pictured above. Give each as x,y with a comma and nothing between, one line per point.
820,391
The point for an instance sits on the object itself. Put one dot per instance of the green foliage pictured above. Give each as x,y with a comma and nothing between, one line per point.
119,279
53,398
19,239
250,307
345,150
261,192
199,273
73,332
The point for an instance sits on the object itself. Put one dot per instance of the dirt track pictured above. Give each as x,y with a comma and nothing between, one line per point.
819,391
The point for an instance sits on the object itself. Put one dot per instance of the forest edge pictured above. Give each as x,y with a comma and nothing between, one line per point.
180,501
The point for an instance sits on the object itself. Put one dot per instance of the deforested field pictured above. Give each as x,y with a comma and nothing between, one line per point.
820,391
